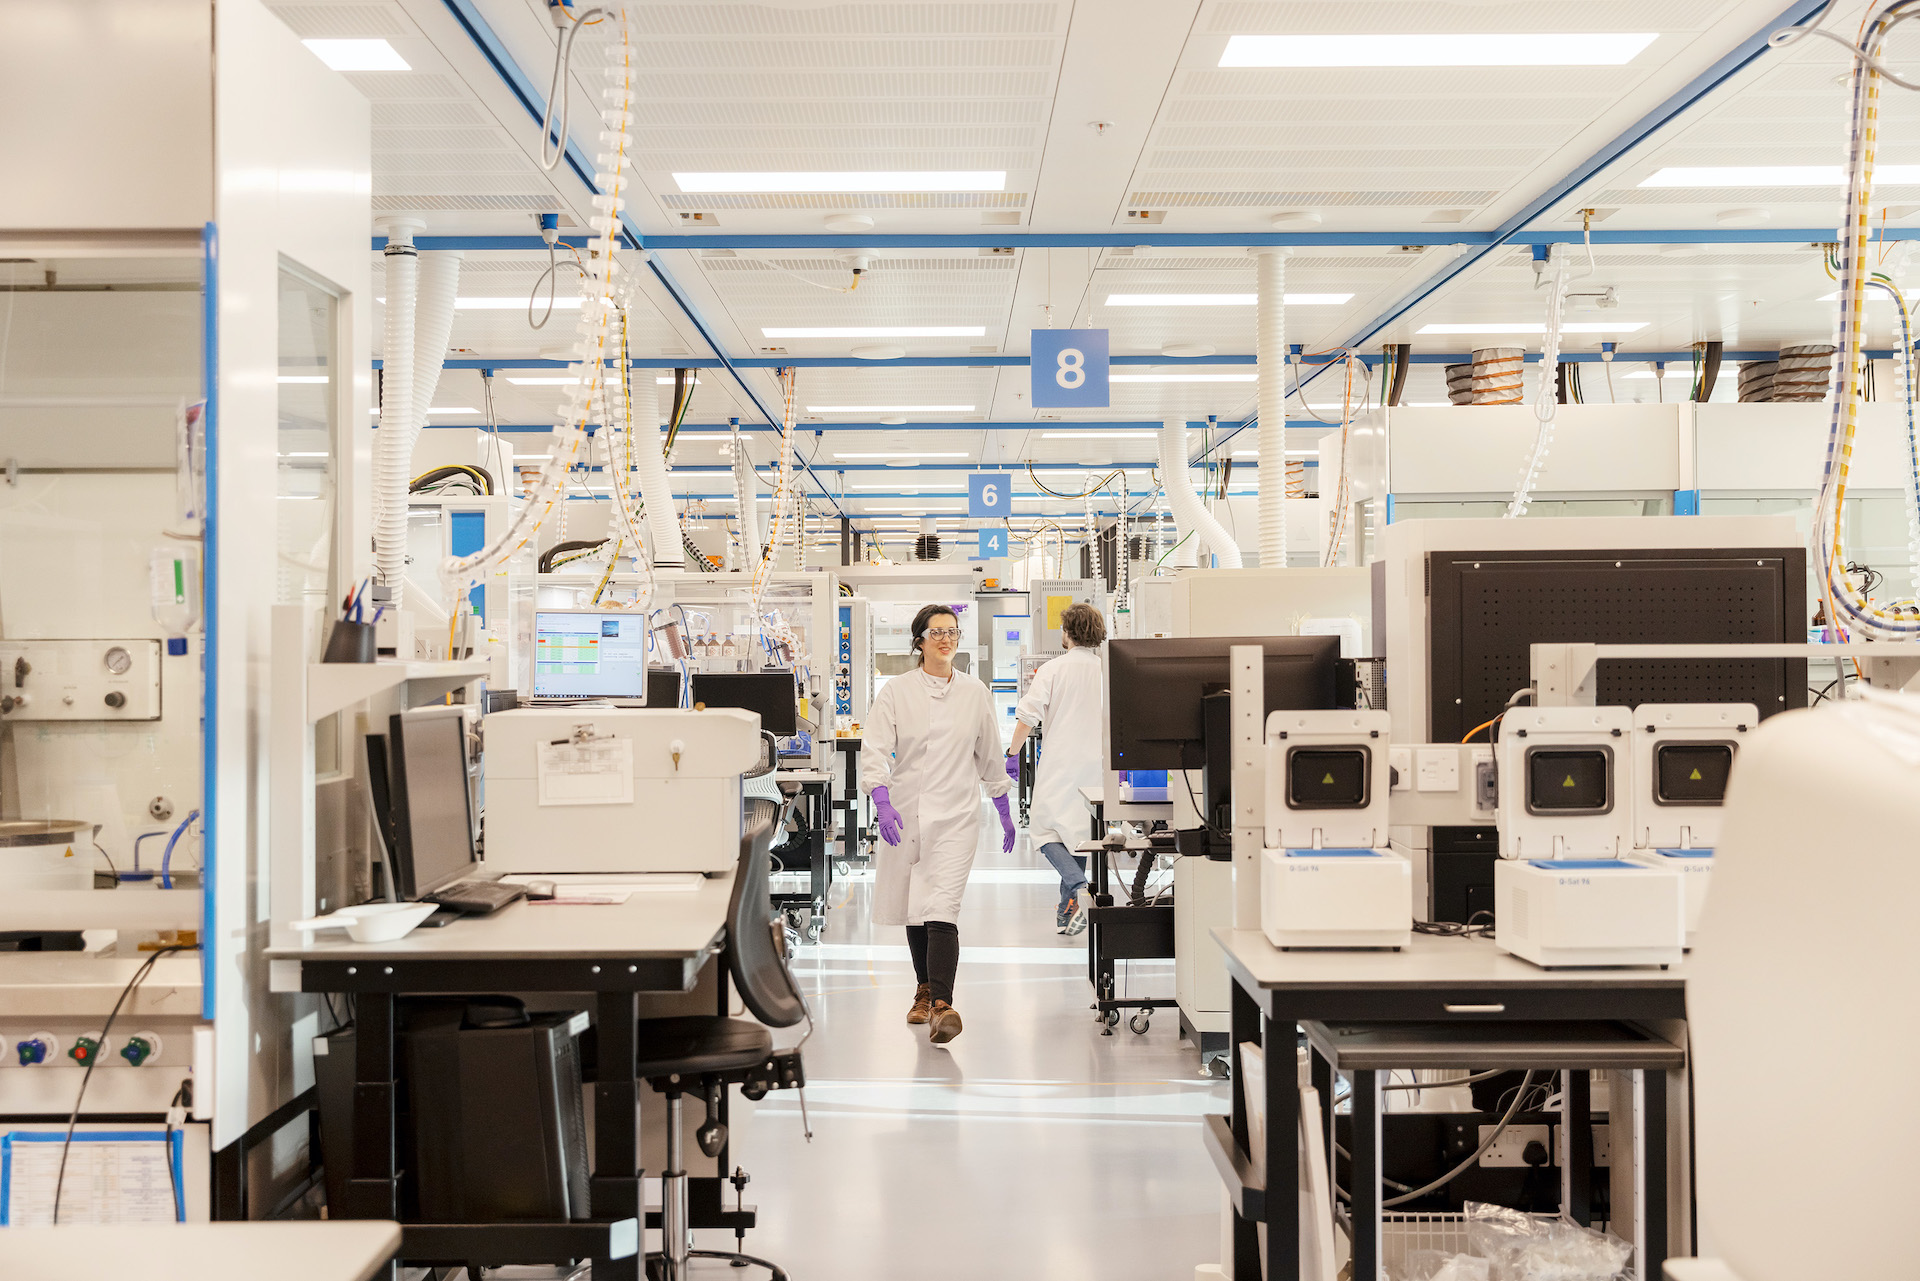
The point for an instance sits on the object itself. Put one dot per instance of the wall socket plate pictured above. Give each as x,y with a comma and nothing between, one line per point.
1507,1150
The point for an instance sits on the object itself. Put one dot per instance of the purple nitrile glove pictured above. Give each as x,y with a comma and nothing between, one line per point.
891,824
1005,806
1013,768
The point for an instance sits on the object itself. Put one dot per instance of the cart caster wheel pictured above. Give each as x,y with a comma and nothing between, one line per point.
1139,1023
814,928
1110,1017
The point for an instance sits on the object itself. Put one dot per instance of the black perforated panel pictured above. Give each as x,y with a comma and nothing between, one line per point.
1486,608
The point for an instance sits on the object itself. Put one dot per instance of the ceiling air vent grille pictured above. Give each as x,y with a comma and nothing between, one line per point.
847,20
339,21
452,204
384,86
423,115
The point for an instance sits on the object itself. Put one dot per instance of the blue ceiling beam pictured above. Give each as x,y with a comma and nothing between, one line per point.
1425,238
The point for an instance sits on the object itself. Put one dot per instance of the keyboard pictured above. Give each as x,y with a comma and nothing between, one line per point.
476,897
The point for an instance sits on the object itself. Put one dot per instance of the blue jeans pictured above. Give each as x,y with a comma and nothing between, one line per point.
1072,869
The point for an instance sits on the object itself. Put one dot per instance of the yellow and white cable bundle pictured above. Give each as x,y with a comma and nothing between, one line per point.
783,492
593,337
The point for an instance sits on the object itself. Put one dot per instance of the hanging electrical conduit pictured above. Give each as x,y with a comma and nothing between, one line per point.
592,337
1556,277
1270,360
1844,602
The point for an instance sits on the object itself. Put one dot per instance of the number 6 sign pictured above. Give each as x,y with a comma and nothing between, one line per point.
1069,368
989,494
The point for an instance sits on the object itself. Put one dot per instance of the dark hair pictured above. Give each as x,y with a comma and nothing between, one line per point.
926,615
1083,625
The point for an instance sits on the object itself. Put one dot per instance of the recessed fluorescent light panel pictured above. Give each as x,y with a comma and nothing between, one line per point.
889,409
875,331
1221,300
1439,49
358,55
1772,175
899,454
1535,327
837,180
1183,378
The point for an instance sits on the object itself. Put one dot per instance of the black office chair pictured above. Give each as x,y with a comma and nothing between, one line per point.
704,1054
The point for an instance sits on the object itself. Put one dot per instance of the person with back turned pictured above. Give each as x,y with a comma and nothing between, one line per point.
1065,697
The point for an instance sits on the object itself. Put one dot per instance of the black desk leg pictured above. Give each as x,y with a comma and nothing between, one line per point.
374,1192
1658,1151
1321,1073
1245,1016
616,1126
1576,1155
1366,1176
1281,1042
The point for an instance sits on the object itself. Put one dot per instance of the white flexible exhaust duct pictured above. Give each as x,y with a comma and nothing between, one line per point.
1270,354
650,468
393,445
439,284
1188,511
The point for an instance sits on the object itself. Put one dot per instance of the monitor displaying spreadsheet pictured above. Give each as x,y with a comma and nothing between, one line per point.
589,653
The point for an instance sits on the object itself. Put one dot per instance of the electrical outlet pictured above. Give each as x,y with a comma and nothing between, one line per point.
1602,1146
1510,1148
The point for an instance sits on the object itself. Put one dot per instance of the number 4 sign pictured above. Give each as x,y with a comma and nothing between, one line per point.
1069,368
988,494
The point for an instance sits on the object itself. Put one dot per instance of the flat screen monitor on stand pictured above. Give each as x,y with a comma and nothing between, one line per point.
1170,702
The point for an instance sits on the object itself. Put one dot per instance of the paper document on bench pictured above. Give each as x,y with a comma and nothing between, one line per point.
595,771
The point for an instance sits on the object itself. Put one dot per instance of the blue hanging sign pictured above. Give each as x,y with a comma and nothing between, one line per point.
989,494
993,542
1069,368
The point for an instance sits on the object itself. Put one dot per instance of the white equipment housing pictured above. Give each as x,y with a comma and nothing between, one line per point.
1047,599
1328,878
677,808
1682,756
1564,892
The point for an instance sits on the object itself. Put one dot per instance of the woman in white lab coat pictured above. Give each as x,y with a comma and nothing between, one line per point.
931,744
1067,698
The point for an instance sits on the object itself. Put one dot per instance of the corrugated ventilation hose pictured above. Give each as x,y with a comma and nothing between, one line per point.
1193,517
1270,356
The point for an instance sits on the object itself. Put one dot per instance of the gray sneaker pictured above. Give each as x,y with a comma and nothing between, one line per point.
1061,916
1077,920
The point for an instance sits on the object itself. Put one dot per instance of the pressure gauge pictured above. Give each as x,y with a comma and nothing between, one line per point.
119,662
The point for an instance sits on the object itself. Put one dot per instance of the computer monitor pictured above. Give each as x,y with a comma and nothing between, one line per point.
589,653
769,693
1156,687
432,822
663,687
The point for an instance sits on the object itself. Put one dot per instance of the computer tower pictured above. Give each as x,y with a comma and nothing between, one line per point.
499,1128
489,1120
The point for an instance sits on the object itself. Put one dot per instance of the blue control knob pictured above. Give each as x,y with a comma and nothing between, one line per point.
32,1051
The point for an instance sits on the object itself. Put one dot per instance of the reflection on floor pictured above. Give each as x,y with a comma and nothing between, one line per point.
1031,1147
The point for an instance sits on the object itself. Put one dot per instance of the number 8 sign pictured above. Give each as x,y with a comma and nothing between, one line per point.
989,494
1069,368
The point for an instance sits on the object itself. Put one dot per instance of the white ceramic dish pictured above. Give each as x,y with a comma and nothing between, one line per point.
372,922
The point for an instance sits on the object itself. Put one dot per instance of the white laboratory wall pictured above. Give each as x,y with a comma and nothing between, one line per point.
294,184
129,84
1481,449
1269,602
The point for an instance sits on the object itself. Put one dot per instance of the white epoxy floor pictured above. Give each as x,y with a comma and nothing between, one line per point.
1032,1147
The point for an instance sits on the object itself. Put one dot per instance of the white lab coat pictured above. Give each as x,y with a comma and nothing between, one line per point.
1066,698
933,745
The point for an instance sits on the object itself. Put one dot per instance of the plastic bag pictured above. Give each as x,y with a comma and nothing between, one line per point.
1443,1265
1520,1247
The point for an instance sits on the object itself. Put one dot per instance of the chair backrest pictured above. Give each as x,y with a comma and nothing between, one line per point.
759,969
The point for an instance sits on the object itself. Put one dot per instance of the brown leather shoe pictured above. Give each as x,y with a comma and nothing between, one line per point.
945,1023
922,1004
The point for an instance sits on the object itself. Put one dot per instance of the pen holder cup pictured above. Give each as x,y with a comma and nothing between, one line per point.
349,643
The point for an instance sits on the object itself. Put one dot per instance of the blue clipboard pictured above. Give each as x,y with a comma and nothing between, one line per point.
177,1146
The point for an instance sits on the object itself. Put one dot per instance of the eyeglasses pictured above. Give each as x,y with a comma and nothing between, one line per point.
943,633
